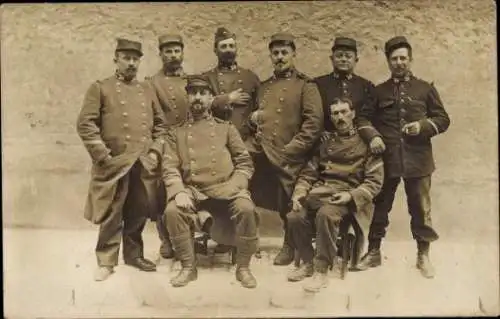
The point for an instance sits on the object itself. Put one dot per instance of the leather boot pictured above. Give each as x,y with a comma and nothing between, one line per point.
301,272
166,250
319,279
423,262
246,247
184,250
286,255
372,258
337,268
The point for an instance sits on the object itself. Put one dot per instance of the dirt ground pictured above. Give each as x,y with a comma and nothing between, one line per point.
51,53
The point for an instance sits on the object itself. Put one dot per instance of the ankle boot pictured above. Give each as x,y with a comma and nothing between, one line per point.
184,249
319,279
423,262
246,247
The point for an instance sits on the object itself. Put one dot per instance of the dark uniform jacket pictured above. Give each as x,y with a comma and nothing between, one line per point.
398,102
171,93
352,86
343,163
290,123
123,120
224,81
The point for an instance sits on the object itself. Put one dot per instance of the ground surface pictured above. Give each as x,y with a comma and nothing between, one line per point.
48,273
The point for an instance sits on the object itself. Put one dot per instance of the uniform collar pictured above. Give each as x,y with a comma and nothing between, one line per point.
223,67
283,75
177,72
341,76
121,78
405,78
207,117
351,132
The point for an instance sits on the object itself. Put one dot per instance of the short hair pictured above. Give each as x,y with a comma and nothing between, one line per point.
402,45
344,99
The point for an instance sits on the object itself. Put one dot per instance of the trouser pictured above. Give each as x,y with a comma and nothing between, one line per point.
267,190
324,223
241,210
419,207
126,220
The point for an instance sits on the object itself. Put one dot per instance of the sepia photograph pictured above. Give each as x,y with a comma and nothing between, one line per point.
250,159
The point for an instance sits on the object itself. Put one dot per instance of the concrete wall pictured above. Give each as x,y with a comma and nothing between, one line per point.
52,53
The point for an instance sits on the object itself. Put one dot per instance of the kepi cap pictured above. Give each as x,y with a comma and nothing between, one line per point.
128,45
223,34
396,43
170,38
198,80
345,43
284,37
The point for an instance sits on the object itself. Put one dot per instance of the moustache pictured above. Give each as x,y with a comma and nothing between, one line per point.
228,55
280,62
131,69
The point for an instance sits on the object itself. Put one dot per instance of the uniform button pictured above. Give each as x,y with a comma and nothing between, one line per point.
213,147
122,102
176,116
220,73
193,174
191,150
212,134
125,114
127,137
143,124
222,92
214,160
278,110
118,90
193,161
402,93
143,139
144,114
175,106
402,100
281,99
238,71
125,125
403,110
221,82
190,135
140,92
240,81
276,121
143,104
189,125
284,89
274,134
138,85
170,88
213,173
173,98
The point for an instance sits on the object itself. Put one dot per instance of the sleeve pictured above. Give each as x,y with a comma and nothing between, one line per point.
242,160
312,121
366,115
307,177
437,120
248,128
159,125
171,167
89,122
372,182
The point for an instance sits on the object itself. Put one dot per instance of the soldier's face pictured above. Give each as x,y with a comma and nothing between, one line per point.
342,116
226,50
400,62
282,57
127,63
344,60
172,55
200,99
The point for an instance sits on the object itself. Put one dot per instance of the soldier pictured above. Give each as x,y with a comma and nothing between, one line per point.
342,82
169,84
235,86
408,112
121,125
339,182
288,122
207,167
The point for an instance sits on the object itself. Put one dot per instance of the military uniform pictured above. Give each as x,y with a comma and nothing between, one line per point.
119,123
206,159
290,123
340,164
399,101
225,79
337,85
170,90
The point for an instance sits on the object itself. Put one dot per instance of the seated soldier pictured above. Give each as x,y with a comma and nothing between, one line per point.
207,167
341,178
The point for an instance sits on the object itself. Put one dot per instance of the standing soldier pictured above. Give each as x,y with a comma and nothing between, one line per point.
236,86
342,82
287,124
121,125
408,112
169,84
207,167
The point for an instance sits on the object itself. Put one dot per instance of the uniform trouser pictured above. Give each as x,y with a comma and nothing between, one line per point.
419,206
325,223
126,220
241,210
267,190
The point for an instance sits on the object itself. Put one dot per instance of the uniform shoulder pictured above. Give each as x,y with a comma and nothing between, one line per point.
361,79
219,120
422,82
304,77
321,78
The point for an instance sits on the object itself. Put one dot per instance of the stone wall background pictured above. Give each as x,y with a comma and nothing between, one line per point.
51,53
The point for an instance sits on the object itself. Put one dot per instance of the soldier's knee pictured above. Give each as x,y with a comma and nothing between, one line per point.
295,218
245,208
330,212
172,212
